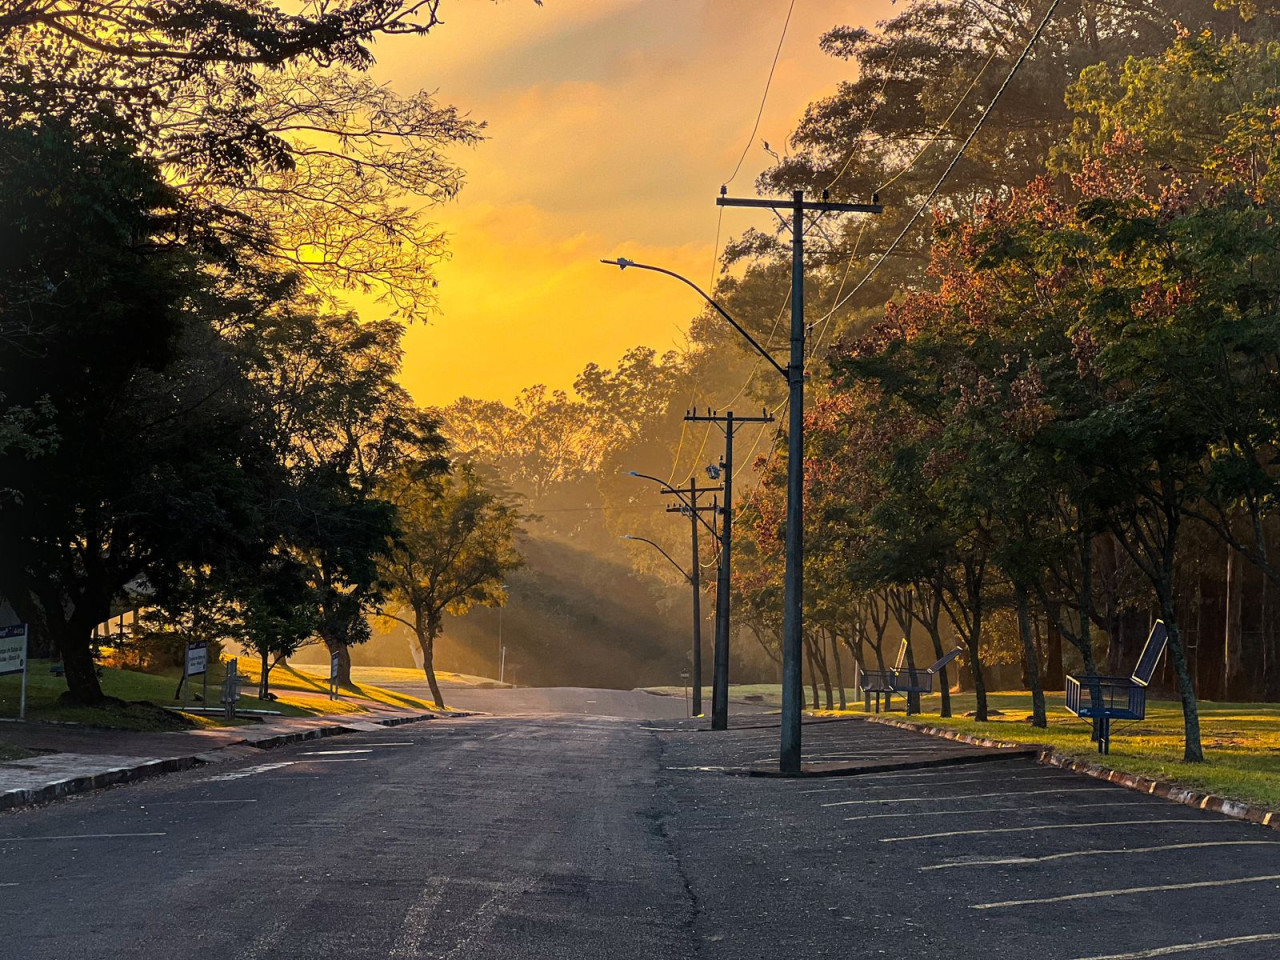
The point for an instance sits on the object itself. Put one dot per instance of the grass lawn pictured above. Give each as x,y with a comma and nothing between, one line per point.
308,685
384,675
145,694
1241,740
9,751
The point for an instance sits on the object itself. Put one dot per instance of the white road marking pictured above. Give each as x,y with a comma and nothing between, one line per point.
248,772
972,796
941,783
177,803
1043,806
1095,894
337,760
83,836
1099,853
1189,947
9,884
1054,826
417,921
331,753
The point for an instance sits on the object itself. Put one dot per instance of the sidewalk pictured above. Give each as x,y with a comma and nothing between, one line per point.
71,759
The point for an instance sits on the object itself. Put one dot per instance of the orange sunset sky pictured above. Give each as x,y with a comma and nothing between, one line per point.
611,125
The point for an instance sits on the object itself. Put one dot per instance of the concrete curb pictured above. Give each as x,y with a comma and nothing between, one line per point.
1165,789
28,796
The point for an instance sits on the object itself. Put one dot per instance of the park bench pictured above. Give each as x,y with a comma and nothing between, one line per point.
1103,699
879,684
912,681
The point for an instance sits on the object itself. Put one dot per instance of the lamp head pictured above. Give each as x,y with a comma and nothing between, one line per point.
713,472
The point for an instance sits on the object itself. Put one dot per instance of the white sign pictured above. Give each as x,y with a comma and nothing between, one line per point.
197,658
334,663
13,659
13,649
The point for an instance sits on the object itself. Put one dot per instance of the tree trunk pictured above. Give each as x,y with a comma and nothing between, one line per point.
427,634
81,672
1233,633
264,681
813,674
835,655
1054,675
343,652
1032,667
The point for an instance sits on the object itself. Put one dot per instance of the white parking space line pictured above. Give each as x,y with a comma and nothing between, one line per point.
993,810
1057,826
1189,947
1102,853
1125,891
972,796
337,760
332,753
248,772
83,836
937,775
941,783
180,803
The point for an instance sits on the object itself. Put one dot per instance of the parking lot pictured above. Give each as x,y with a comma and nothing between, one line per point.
1005,859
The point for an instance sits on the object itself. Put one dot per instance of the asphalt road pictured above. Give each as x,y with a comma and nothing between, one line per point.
585,701
573,837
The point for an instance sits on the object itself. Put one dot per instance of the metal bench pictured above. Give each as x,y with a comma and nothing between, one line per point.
879,684
912,681
1103,699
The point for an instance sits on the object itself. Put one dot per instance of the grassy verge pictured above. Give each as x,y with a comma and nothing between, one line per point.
9,751
1241,740
386,675
308,685
139,699
144,696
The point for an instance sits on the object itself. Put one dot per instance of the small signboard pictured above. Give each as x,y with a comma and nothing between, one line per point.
13,649
197,658
335,663
13,659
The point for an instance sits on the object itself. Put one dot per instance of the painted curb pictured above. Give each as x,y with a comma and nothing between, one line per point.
28,796
1165,789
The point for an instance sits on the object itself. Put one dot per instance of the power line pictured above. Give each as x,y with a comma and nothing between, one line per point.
982,118
765,96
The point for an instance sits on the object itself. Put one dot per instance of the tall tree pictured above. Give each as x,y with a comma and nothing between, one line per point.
456,543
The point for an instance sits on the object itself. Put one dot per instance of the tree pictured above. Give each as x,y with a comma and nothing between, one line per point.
140,446
262,120
456,543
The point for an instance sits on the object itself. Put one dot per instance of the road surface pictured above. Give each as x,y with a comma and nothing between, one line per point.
571,836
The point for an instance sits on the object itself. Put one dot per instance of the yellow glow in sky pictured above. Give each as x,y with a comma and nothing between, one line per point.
611,125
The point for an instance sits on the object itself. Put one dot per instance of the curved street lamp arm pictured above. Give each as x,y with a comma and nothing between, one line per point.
663,552
622,263
681,494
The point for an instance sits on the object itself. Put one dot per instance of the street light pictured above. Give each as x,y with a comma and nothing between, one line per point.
793,373
627,536
622,263
690,506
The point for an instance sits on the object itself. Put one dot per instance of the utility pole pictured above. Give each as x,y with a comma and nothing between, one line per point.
729,424
793,594
690,507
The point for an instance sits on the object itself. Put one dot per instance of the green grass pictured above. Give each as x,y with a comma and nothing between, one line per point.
144,696
307,685
9,751
385,675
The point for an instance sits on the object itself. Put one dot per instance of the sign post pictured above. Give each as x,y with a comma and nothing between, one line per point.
195,664
333,676
13,659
